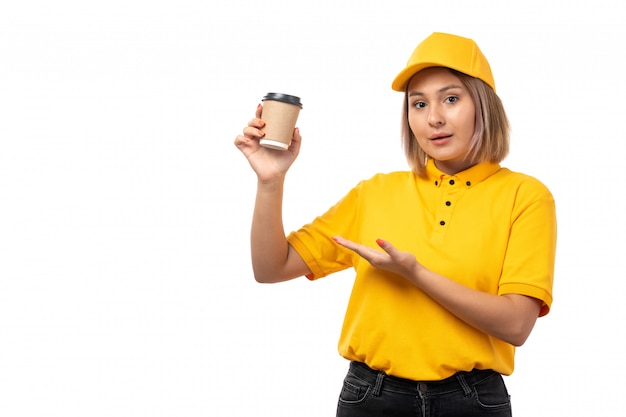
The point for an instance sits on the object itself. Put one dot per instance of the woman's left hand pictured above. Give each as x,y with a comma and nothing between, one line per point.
390,258
509,317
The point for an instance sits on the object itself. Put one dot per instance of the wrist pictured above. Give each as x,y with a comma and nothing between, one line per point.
271,184
418,273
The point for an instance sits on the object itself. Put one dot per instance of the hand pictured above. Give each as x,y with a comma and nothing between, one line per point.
509,317
389,259
269,164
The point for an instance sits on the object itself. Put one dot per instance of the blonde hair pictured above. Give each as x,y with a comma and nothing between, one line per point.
490,142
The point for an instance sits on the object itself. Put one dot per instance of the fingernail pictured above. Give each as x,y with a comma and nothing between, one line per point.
380,242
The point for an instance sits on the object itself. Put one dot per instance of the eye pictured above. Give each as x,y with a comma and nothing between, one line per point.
451,99
419,104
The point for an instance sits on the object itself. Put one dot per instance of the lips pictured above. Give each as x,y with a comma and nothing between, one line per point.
439,136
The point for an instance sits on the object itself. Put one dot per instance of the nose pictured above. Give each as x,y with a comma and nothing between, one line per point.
435,117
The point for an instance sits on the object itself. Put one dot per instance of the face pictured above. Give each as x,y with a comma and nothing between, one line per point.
441,117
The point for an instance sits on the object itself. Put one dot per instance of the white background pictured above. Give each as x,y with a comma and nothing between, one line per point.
125,281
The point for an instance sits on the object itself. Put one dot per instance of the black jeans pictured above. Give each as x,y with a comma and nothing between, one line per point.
367,392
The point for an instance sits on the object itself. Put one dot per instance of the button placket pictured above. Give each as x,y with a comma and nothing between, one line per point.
450,189
445,207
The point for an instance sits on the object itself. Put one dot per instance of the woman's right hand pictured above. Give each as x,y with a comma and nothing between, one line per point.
269,164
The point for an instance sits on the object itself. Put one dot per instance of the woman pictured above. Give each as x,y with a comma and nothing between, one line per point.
454,260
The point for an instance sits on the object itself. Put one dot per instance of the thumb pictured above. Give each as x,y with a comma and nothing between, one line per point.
386,246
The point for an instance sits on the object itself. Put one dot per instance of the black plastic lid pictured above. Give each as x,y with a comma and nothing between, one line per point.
285,98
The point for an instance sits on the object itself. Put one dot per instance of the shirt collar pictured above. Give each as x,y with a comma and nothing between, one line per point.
469,177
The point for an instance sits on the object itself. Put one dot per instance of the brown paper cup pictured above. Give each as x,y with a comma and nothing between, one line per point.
280,114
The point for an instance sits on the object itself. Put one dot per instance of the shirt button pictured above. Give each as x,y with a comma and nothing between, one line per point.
468,183
448,203
442,223
451,182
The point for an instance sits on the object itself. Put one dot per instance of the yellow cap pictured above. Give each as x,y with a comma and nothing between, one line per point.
445,50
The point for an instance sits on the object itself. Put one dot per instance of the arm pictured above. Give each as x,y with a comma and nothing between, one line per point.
273,259
508,317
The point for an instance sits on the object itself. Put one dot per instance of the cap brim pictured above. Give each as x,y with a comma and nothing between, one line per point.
402,79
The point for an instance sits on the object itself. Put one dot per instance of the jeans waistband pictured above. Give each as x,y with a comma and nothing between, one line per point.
459,381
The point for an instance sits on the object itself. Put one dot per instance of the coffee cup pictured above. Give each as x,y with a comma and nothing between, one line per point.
280,114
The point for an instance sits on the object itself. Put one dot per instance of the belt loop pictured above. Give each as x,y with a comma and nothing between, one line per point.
379,383
466,388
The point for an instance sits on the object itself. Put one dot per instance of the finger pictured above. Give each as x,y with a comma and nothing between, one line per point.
296,141
253,132
386,246
296,135
341,241
361,250
348,244
256,122
241,141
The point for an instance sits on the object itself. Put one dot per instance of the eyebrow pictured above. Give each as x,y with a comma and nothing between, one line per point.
441,90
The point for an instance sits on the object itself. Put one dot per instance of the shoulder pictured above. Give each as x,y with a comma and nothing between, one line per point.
379,186
523,194
521,183
395,178
385,185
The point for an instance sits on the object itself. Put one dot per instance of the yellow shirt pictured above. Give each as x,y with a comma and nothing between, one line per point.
487,228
